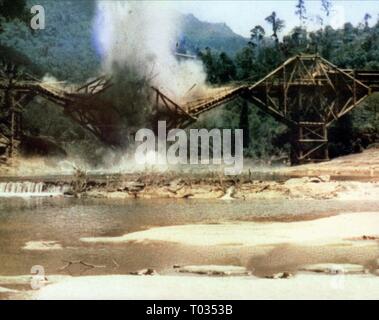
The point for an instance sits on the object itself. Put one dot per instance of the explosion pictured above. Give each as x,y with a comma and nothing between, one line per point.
141,36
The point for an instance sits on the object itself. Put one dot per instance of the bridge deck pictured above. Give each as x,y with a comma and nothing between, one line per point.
367,77
196,107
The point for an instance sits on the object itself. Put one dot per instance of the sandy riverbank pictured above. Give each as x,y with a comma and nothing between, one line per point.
304,286
259,247
326,258
356,229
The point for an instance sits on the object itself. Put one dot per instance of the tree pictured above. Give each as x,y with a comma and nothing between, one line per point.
296,42
366,19
301,11
209,64
14,9
348,33
326,6
276,24
226,70
245,63
256,35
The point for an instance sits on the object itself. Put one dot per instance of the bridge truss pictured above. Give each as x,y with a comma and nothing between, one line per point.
307,93
18,89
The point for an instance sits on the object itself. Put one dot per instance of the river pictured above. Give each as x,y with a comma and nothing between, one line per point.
66,220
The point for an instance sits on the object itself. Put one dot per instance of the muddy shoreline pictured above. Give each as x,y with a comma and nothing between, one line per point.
178,186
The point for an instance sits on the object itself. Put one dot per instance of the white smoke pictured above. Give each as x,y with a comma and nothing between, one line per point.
142,36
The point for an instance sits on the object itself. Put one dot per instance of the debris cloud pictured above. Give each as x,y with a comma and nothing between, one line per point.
142,37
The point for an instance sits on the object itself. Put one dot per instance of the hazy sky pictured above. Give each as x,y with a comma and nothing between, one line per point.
241,16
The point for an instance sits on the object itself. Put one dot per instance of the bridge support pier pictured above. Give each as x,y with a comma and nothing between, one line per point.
8,142
309,143
10,124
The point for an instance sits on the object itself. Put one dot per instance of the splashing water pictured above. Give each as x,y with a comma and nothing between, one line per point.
30,189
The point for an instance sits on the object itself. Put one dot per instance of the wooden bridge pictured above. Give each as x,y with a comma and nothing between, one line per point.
307,93
18,89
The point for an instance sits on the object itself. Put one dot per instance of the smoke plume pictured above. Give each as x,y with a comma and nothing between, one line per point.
142,36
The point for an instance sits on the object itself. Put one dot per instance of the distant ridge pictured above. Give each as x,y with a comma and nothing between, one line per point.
197,35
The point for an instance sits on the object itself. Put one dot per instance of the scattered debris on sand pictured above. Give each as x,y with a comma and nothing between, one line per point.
280,275
332,268
229,194
214,270
145,272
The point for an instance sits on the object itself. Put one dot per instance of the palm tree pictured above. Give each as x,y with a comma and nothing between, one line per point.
326,6
276,24
366,18
301,11
256,35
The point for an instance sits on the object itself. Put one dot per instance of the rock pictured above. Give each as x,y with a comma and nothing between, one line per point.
175,185
330,268
145,272
229,194
314,180
296,181
131,186
214,270
365,238
69,193
325,178
280,275
370,238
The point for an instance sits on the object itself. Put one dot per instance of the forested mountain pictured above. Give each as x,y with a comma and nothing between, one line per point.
197,35
65,49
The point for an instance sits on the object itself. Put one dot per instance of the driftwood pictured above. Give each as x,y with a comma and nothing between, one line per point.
115,263
79,262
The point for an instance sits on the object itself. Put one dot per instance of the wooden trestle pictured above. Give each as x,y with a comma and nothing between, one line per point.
18,89
307,93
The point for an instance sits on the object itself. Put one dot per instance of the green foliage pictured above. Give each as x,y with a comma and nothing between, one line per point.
276,24
220,68
354,47
245,63
12,9
257,34
301,11
64,49
326,6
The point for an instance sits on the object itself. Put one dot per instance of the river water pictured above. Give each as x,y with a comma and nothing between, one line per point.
66,220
